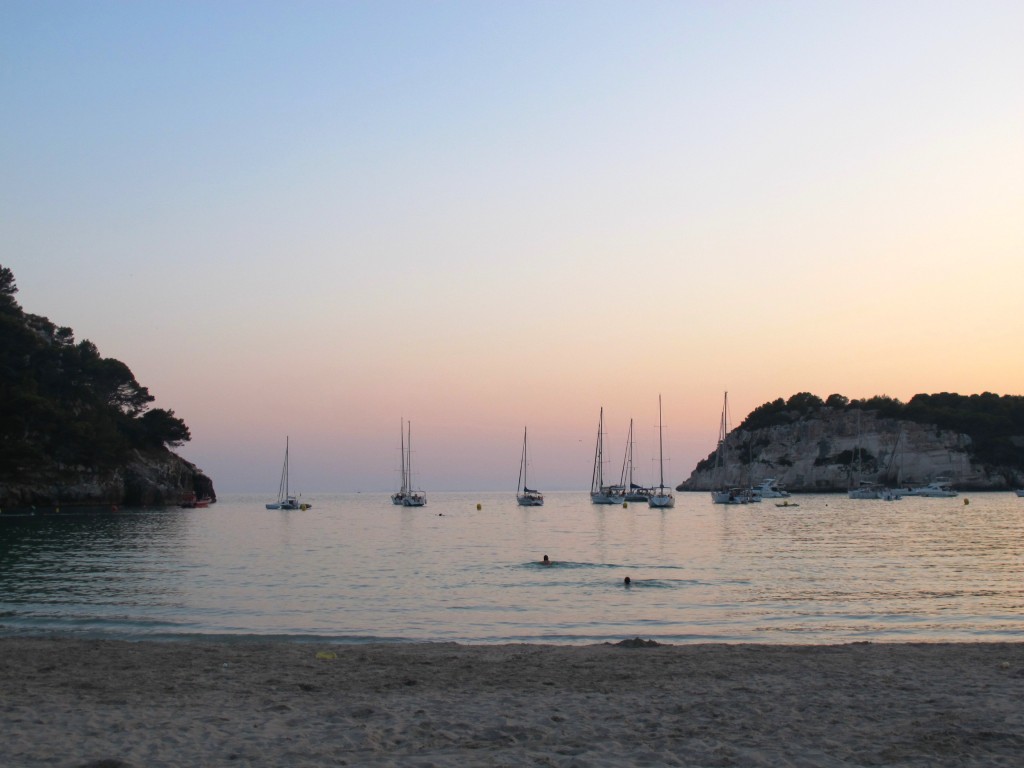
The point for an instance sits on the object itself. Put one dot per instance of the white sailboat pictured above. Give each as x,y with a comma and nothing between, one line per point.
661,498
408,497
722,495
865,489
399,498
631,491
599,492
526,497
284,498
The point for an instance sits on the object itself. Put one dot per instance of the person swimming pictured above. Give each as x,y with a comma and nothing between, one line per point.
627,582
545,561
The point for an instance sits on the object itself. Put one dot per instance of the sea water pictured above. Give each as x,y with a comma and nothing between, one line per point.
466,568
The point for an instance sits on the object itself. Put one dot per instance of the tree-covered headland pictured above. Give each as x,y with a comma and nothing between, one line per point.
64,408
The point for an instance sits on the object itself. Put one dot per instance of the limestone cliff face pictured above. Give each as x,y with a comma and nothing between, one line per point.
823,454
147,478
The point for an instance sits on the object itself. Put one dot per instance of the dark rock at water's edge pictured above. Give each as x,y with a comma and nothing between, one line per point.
636,642
155,477
976,442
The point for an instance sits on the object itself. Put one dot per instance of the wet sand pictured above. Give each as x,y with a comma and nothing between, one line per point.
72,702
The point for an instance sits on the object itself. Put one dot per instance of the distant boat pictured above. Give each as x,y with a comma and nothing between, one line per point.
661,498
398,498
526,497
770,489
936,489
866,490
284,498
599,492
630,490
1019,491
722,495
191,501
406,496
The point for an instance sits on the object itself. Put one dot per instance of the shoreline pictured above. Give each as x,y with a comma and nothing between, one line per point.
78,702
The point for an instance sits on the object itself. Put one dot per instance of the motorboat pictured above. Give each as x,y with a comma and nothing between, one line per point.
770,489
937,489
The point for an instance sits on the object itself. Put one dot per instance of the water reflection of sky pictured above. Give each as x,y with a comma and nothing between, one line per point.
355,566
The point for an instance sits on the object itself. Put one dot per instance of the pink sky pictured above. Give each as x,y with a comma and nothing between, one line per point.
485,217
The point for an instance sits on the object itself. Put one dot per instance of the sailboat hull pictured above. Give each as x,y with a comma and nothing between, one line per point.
290,504
661,502
528,500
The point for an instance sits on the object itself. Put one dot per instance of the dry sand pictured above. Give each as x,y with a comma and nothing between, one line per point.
69,702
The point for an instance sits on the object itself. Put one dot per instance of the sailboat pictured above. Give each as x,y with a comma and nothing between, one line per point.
865,489
399,498
284,498
724,495
406,496
526,497
632,491
661,498
599,492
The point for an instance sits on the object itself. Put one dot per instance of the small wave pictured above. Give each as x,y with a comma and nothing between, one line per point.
663,583
569,564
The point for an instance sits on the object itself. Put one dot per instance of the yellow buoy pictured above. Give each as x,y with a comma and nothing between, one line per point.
625,505
479,505
966,502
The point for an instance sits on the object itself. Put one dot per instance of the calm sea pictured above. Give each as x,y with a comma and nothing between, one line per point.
356,568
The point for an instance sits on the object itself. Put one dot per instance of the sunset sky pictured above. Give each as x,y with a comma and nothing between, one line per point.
315,219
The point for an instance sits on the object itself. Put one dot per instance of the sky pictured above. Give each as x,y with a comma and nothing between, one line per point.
314,220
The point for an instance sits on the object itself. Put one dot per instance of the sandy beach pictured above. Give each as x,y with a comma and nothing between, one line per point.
72,702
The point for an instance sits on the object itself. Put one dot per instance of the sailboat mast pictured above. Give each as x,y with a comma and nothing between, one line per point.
408,461
401,432
626,457
522,465
286,492
661,451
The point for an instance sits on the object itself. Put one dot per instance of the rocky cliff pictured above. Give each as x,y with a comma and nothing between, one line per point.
835,447
146,478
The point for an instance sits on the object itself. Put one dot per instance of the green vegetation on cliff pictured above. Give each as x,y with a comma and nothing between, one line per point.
63,404
995,423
